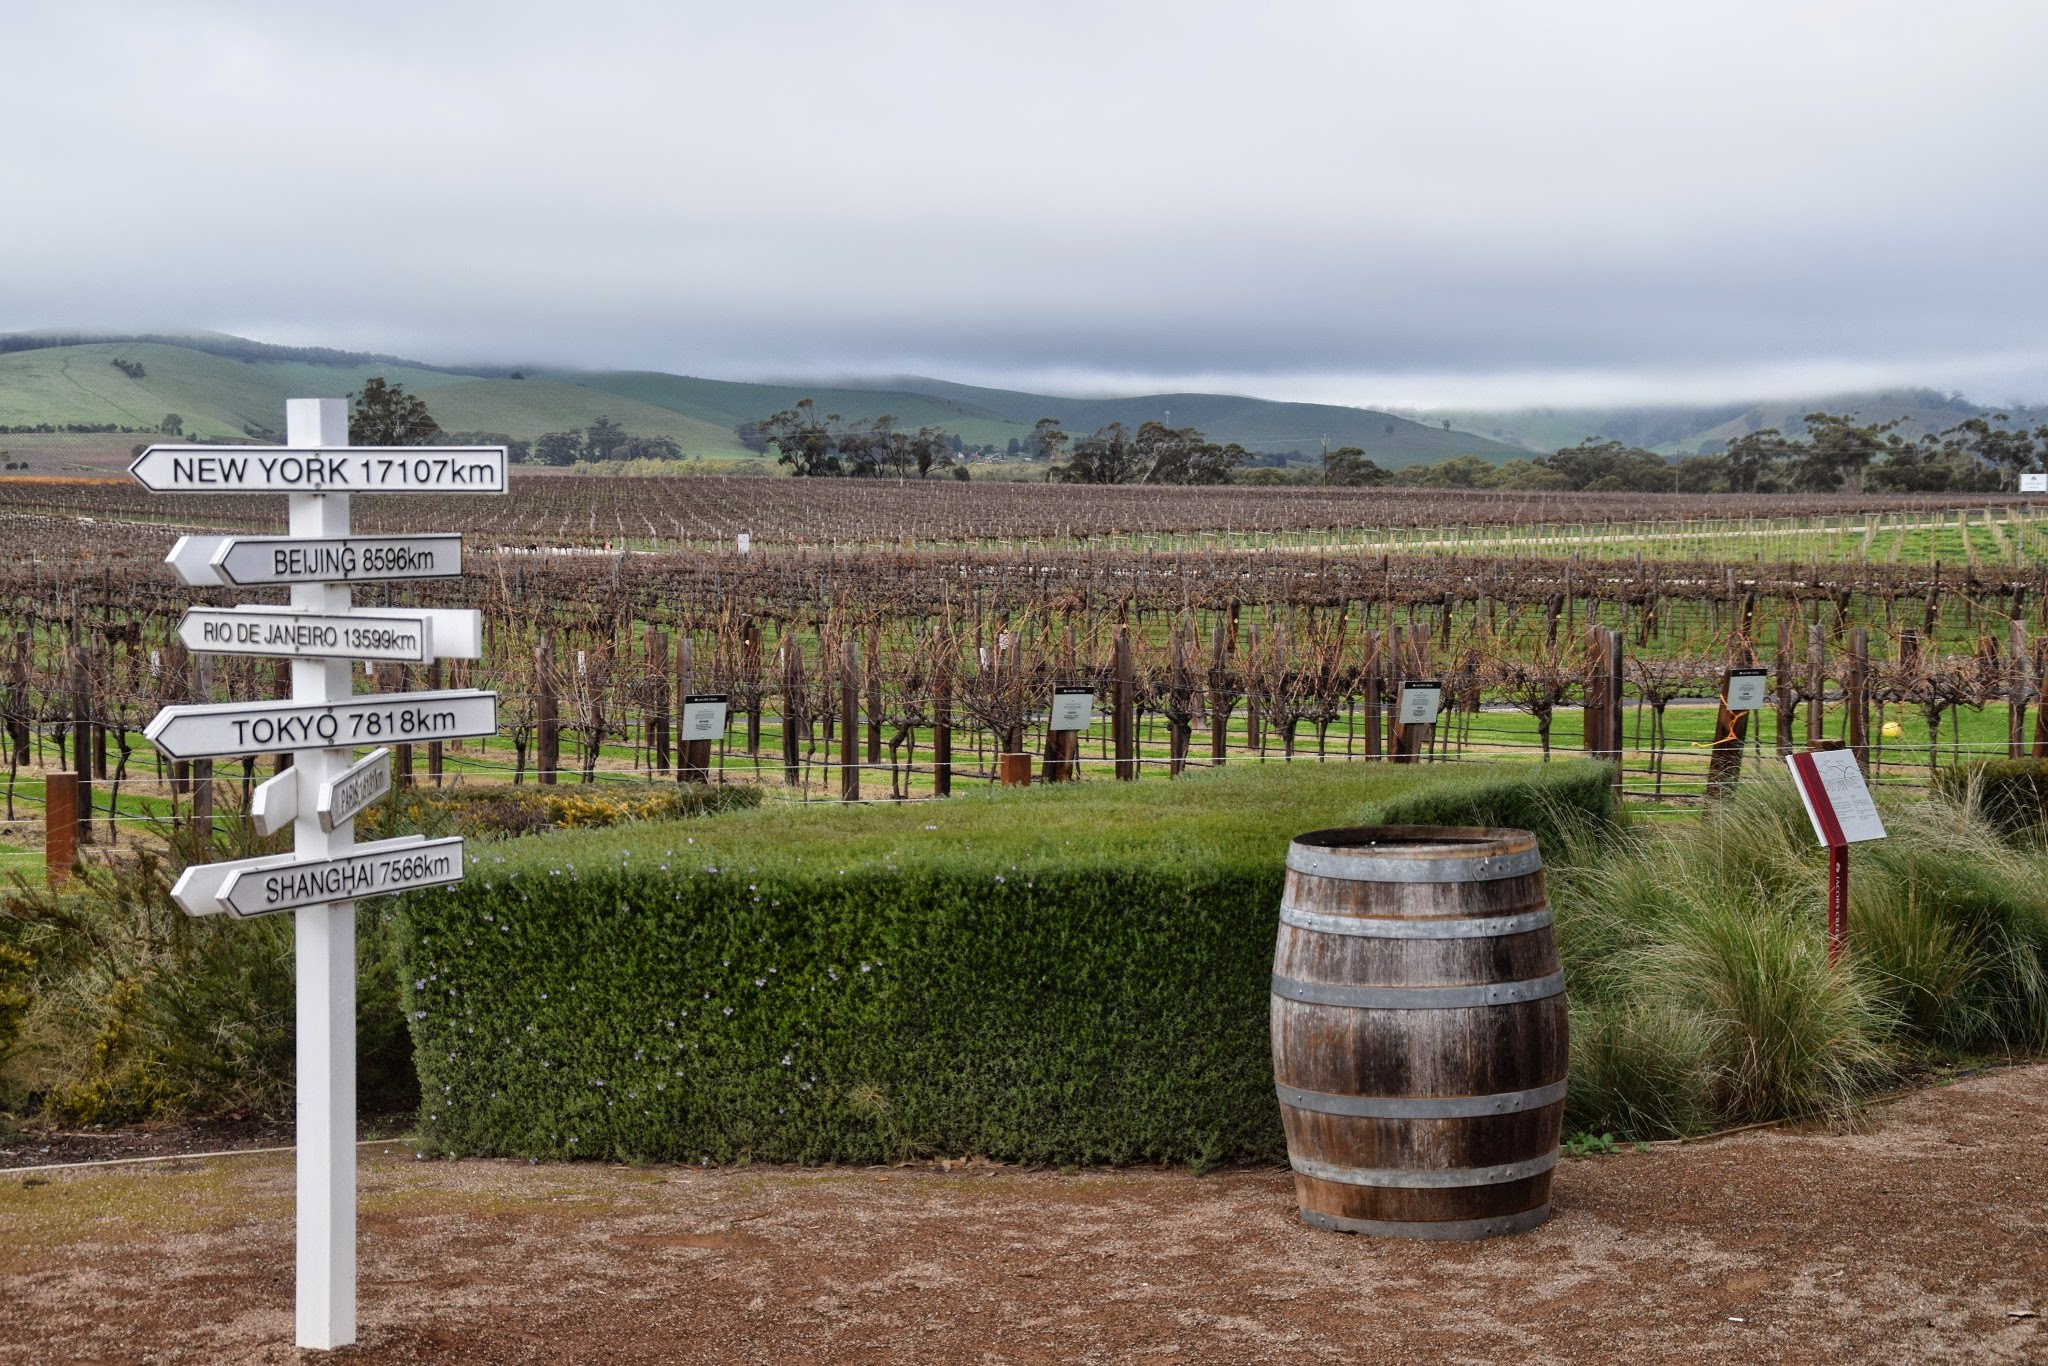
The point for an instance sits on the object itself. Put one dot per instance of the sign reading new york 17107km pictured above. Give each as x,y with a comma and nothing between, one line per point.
354,469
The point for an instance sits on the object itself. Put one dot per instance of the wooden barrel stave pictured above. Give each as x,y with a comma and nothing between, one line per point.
1425,996
1375,1053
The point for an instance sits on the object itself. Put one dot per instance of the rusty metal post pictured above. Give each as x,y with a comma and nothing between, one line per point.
60,826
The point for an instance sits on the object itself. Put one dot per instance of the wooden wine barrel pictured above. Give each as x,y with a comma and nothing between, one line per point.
1419,1031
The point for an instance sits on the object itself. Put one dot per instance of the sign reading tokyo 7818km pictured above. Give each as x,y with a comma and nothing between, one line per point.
354,469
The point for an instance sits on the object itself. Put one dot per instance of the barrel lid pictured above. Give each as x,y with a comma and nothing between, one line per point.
1415,853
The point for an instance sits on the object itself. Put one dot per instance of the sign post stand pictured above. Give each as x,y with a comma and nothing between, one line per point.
1838,803
321,725
325,941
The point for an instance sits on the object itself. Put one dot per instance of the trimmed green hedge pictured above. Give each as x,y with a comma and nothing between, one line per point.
1073,975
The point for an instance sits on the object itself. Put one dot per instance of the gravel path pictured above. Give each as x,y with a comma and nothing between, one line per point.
1923,1238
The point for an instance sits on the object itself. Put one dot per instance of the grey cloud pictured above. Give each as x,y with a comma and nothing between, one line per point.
1371,201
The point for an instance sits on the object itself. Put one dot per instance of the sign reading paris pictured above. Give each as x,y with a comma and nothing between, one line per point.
351,469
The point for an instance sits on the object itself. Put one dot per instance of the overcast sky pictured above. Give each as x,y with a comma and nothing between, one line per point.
1378,203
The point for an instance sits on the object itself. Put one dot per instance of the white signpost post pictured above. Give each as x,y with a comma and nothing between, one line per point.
321,792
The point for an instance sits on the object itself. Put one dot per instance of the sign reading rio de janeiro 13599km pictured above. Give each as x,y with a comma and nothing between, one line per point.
353,469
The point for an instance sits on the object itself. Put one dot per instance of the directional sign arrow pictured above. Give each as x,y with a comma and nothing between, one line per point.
208,561
274,804
337,559
198,889
229,729
354,788
192,558
406,637
377,869
310,469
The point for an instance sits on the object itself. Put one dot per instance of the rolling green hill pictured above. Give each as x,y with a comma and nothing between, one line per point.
727,403
1674,430
214,395
228,387
1256,424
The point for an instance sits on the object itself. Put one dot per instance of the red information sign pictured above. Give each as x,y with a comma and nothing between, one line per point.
1838,803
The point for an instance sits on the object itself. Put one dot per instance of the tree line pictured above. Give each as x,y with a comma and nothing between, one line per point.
1836,453
813,446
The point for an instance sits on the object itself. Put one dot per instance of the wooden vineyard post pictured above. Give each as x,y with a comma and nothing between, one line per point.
1783,674
547,716
1254,739
60,826
874,697
436,756
693,756
1374,667
281,682
391,679
2041,710
1062,747
942,722
14,707
1407,742
1591,723
685,687
1816,684
794,723
1416,738
81,741
1183,700
1731,728
2019,688
750,661
1603,712
1856,696
849,721
657,703
1219,710
202,769
1616,716
1123,725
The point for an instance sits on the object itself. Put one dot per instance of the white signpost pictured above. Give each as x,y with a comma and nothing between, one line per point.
208,561
321,792
1072,709
2034,483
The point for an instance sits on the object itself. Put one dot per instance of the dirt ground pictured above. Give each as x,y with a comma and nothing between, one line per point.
1922,1238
